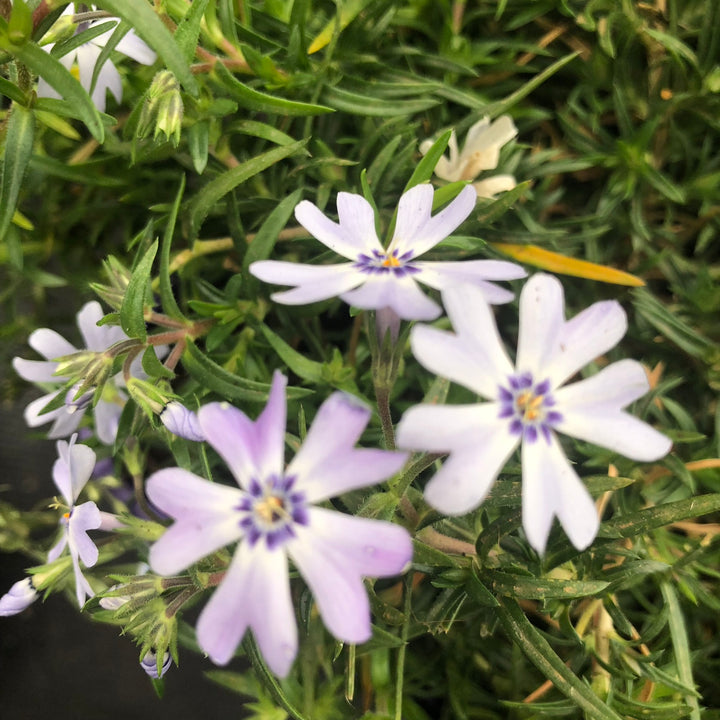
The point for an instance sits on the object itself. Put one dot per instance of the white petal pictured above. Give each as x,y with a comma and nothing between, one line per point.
37,371
96,338
50,344
551,487
541,323
479,445
270,430
358,236
66,422
107,420
33,416
83,518
475,357
588,335
315,282
401,294
447,168
442,275
108,79
490,187
135,48
415,230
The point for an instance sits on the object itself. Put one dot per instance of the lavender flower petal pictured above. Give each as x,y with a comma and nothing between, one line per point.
83,518
181,421
19,597
399,293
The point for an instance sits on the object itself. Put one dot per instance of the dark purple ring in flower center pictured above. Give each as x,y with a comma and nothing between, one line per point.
382,263
271,510
527,405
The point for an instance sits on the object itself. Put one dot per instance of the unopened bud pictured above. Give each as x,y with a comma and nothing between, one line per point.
163,109
20,596
152,667
181,422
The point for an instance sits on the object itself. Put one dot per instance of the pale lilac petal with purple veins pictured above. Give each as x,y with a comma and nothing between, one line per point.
416,230
19,597
181,494
270,430
233,436
194,537
107,420
49,344
542,317
399,293
181,421
373,548
315,282
83,518
36,371
337,588
585,337
551,487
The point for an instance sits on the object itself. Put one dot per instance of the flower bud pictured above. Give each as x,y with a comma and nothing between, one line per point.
20,596
181,422
163,109
150,665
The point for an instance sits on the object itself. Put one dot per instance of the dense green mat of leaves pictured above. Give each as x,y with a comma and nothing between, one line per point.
160,204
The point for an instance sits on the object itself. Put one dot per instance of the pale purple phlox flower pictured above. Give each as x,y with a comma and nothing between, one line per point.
528,404
19,597
181,421
379,278
274,516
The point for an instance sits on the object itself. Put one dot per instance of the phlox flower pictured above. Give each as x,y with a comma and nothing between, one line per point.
481,151
71,472
19,597
85,58
181,421
528,403
274,516
51,345
378,278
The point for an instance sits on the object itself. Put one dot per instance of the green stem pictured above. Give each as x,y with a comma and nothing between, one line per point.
382,394
399,681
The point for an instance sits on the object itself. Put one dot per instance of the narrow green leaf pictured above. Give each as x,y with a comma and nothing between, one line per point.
208,196
347,12
12,91
262,130
531,588
227,384
493,209
51,70
132,312
167,297
263,243
153,367
262,102
642,521
150,28
522,632
501,106
360,104
18,150
681,646
298,363
198,140
426,167
188,29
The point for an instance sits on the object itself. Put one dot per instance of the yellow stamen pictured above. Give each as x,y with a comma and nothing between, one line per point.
271,509
530,405
66,516
390,261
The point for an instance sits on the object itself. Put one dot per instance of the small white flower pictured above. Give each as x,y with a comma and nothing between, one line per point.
480,152
85,58
529,403
379,278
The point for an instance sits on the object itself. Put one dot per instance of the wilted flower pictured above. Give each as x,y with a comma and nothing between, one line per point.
481,151
274,516
528,404
71,472
376,278
52,346
85,57
19,597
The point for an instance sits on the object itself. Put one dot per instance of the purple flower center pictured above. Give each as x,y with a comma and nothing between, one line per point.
382,263
528,406
271,510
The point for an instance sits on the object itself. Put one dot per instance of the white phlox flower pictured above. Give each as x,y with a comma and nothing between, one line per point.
71,472
377,278
481,151
528,403
85,57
